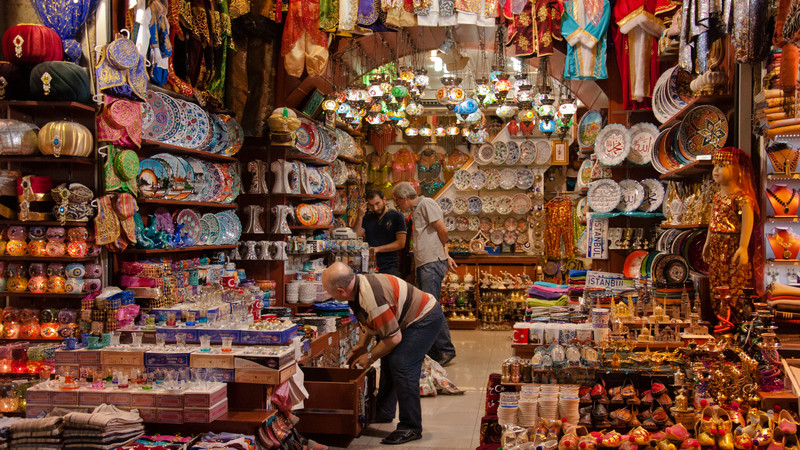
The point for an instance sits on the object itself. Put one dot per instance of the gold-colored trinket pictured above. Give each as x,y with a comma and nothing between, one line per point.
46,79
18,41
3,84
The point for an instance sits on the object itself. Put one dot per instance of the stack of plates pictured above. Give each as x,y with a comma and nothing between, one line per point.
568,408
317,141
671,94
170,177
293,292
308,291
528,413
548,402
507,415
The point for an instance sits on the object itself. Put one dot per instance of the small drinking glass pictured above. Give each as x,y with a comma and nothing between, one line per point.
227,342
114,338
205,343
161,339
180,339
190,318
170,319
212,319
137,338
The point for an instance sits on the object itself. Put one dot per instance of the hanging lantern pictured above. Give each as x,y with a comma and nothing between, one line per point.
466,107
440,131
505,111
329,104
482,89
375,89
568,108
453,130
501,86
425,130
421,78
547,127
450,94
376,118
395,115
527,115
403,123
399,91
414,109
545,108
343,109
407,75
412,131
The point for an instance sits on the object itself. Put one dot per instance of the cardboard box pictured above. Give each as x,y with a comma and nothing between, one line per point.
148,414
217,335
35,410
118,398
211,360
267,337
169,416
129,371
66,357
224,375
166,359
64,398
265,376
134,357
38,397
194,399
263,362
206,415
333,404
89,397
88,356
144,400
169,401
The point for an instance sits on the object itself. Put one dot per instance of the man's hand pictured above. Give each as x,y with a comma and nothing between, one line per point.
362,362
355,354
451,264
362,209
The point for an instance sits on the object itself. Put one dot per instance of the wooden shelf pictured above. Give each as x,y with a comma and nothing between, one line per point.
784,218
310,227
778,176
48,159
689,170
158,201
639,346
350,160
296,155
64,259
460,324
715,100
200,248
682,226
153,147
45,295
58,340
33,105
244,422
43,223
320,344
301,196
496,259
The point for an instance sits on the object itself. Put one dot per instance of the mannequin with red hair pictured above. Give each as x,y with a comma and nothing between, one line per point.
733,245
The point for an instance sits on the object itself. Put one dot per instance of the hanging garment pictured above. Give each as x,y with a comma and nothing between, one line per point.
584,25
639,24
752,23
67,18
329,15
440,14
536,27
371,16
789,53
559,228
304,45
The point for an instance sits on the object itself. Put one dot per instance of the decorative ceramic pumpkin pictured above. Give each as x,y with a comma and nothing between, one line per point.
17,138
32,44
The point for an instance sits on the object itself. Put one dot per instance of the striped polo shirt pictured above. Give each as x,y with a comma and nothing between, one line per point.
387,304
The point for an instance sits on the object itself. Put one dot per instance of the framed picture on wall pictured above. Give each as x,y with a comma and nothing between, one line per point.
560,153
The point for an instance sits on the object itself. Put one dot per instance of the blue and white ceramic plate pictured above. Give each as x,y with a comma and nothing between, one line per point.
513,153
524,178
475,205
446,203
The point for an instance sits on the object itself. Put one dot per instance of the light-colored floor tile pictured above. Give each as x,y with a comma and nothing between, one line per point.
452,421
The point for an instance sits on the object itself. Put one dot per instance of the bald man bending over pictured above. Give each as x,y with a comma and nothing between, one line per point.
405,321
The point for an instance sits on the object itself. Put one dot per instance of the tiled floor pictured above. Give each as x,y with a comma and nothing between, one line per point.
453,422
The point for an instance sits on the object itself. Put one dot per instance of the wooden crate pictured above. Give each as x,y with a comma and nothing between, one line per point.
335,401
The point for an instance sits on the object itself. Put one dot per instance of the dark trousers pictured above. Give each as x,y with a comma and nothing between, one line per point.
429,279
401,370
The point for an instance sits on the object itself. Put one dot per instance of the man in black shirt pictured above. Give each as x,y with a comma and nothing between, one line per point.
384,230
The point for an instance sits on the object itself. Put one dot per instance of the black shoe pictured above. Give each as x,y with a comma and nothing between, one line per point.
447,359
401,437
382,420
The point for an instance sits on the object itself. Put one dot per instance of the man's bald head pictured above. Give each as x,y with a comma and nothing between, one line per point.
339,280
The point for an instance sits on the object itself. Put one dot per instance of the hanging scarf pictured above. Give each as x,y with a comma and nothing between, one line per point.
66,17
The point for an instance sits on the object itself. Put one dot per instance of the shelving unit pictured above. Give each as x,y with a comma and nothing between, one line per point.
716,100
154,147
692,169
201,248
186,204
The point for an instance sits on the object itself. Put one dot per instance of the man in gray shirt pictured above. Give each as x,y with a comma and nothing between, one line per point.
430,255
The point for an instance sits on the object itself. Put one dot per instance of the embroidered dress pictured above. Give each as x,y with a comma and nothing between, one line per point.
440,14
636,46
348,16
723,240
584,25
371,16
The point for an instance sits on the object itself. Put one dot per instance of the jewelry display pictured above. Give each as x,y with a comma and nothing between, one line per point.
783,158
784,200
786,240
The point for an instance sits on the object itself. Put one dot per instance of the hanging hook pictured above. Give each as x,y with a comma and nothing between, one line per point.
125,32
101,152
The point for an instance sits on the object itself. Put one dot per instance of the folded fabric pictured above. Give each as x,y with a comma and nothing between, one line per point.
545,284
536,293
561,301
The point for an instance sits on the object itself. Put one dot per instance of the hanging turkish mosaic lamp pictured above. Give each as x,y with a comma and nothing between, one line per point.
421,78
482,89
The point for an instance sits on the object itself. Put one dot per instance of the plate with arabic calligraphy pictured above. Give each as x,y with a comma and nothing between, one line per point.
643,137
703,130
612,145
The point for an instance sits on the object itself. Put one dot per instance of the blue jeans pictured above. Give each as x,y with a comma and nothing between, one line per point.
429,279
401,370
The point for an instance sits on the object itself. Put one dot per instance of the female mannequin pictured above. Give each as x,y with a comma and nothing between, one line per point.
734,236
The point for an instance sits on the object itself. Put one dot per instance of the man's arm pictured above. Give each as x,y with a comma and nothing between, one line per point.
398,244
441,231
362,210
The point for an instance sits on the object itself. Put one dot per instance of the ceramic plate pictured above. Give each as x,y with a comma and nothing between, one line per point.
653,195
462,179
221,139
504,205
500,153
488,204
450,223
510,224
213,227
202,127
643,136
478,179
462,223
585,174
583,243
497,237
527,153
580,209
508,178
603,195
307,140
492,179
475,205
513,153
460,205
524,178
190,220
153,178
590,125
510,237
484,154
633,264
522,204
160,119
446,204
474,223
612,145
485,224
236,136
543,152
703,130
631,195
